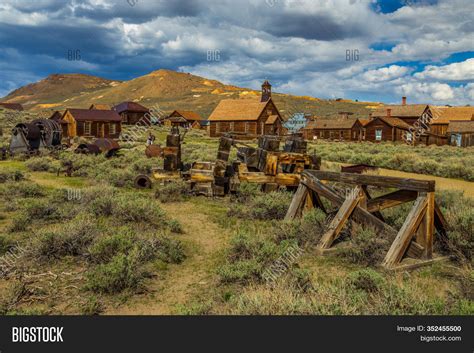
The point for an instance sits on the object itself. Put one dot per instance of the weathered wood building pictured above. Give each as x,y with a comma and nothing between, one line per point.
249,117
342,128
461,133
442,117
92,123
386,128
409,113
184,118
132,113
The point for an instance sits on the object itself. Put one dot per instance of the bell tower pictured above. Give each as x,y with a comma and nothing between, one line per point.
266,91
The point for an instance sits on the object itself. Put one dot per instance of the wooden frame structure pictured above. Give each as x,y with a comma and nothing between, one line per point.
413,243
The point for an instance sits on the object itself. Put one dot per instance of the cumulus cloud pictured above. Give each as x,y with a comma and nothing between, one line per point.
300,45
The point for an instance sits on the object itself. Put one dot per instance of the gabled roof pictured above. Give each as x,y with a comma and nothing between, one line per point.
443,115
461,126
238,109
394,122
364,122
188,114
100,107
130,107
331,124
176,119
13,106
93,115
400,111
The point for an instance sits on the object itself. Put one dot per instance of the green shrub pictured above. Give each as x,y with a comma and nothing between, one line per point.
41,164
174,191
133,208
175,226
20,222
367,247
367,280
15,175
43,210
104,249
121,273
263,206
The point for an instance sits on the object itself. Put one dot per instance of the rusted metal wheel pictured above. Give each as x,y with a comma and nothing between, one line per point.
143,182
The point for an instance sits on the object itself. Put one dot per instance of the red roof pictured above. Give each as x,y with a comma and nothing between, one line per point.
94,115
130,107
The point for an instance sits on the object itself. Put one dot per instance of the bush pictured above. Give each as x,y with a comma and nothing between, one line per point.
133,208
367,247
175,226
122,272
174,191
263,206
307,230
20,223
70,239
43,210
15,175
104,249
42,164
367,280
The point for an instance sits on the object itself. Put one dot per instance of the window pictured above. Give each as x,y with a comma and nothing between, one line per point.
87,128
112,129
408,136
218,127
321,134
378,135
232,126
246,126
331,134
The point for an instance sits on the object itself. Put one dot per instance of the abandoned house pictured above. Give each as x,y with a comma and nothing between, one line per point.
248,117
11,106
100,107
461,133
409,113
387,128
92,123
184,118
131,113
341,128
442,116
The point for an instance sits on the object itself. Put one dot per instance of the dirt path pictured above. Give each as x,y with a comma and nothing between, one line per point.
204,241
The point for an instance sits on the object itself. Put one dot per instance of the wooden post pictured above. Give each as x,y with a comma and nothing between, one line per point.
297,202
405,235
429,225
340,219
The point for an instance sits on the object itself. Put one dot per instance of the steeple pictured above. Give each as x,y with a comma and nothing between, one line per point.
266,91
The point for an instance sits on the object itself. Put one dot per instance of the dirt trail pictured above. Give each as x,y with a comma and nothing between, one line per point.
204,241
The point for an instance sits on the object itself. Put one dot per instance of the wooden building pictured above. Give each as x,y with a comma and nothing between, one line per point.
132,113
184,118
11,106
442,116
409,113
249,117
342,128
92,123
100,107
386,128
461,133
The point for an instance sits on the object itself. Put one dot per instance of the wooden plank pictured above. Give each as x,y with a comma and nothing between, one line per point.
405,235
440,222
297,202
415,250
272,164
375,180
340,219
390,200
429,225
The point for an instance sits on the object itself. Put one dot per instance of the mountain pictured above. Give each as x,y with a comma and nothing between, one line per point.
164,89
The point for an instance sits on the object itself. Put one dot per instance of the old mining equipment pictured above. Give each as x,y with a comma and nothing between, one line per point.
34,136
108,147
265,165
172,164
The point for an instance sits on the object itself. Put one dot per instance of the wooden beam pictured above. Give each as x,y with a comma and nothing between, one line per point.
440,222
375,180
340,219
360,215
390,200
429,225
297,203
405,235
377,214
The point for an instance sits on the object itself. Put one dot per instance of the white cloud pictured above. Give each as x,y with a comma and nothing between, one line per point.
386,73
461,71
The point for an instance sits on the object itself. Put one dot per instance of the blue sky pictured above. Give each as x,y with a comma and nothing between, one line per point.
358,49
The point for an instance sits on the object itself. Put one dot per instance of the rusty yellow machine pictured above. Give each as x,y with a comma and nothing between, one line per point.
264,164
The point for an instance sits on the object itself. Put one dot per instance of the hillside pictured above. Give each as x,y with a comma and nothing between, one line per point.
165,89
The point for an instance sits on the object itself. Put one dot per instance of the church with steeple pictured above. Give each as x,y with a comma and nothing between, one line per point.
247,117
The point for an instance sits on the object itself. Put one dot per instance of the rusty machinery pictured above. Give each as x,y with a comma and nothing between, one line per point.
265,164
34,136
107,146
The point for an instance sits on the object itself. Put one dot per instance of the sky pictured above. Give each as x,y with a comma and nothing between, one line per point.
358,49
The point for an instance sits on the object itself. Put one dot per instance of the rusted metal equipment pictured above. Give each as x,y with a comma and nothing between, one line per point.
358,168
34,136
413,243
152,151
109,147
